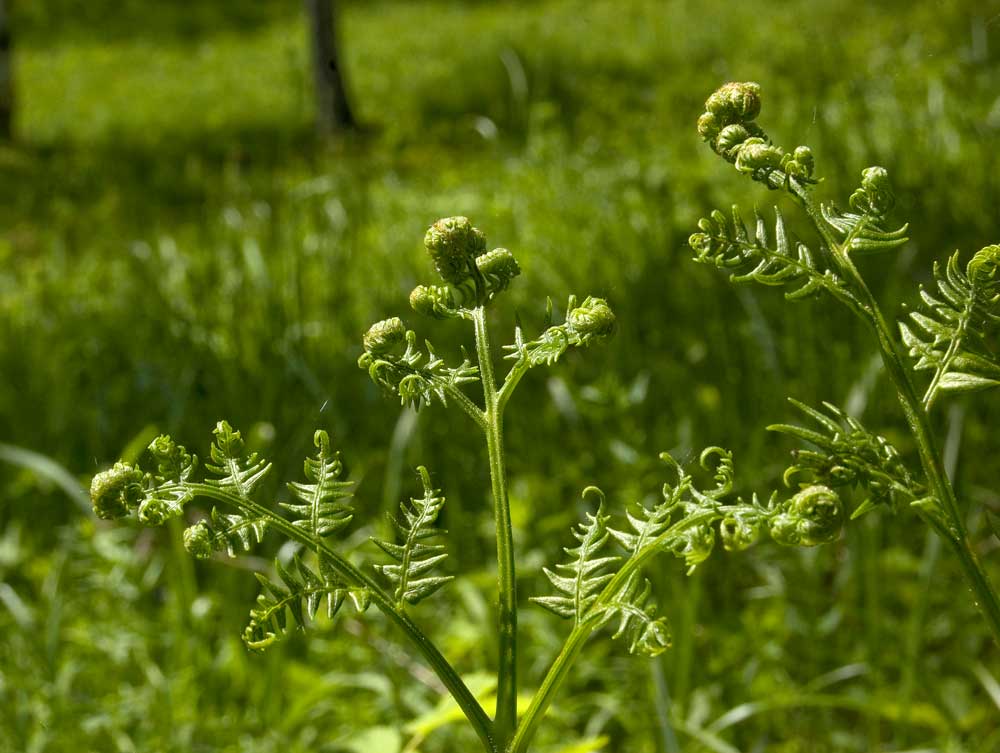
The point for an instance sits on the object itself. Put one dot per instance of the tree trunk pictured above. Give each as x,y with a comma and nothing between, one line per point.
6,77
332,109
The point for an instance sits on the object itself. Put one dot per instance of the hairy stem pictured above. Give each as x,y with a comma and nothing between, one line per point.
919,422
506,713
441,666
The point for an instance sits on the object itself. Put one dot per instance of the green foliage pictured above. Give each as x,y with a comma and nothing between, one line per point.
583,580
848,454
949,338
418,378
416,558
950,335
596,586
322,512
726,243
175,247
299,594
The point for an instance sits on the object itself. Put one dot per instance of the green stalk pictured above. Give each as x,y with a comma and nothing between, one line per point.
918,420
506,712
559,670
442,667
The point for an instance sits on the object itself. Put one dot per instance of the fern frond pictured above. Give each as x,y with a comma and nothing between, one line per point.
166,491
232,533
639,625
414,556
590,321
240,471
322,511
298,595
848,454
583,577
862,233
727,244
950,335
863,230
418,377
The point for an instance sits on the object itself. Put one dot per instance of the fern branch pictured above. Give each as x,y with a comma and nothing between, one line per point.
727,244
418,377
322,512
950,335
591,321
156,496
415,558
584,575
849,454
300,592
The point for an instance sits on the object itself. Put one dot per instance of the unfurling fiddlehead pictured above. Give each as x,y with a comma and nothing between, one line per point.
847,454
947,336
415,557
155,495
596,585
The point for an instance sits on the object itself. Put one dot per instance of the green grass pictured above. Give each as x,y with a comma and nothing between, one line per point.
175,247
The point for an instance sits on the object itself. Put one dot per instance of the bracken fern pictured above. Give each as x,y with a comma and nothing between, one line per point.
948,334
603,581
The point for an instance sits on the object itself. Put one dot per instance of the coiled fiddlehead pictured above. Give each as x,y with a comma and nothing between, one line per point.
946,336
848,454
596,585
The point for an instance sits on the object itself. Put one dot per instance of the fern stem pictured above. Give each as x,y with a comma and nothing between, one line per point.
442,667
916,415
470,408
559,670
506,711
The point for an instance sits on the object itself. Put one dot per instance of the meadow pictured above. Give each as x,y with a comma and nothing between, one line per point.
177,247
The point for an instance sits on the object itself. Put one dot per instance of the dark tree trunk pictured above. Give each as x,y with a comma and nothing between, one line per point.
333,111
6,76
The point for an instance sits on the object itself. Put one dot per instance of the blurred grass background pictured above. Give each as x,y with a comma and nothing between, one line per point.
177,247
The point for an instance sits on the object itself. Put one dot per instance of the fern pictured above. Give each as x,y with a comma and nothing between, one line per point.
596,587
414,556
727,244
322,512
298,595
590,321
848,454
229,532
418,378
950,335
643,631
241,471
585,574
862,231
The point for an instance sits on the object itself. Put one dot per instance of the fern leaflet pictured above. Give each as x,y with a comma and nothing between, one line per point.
227,532
848,454
950,335
322,512
241,471
726,243
414,556
418,378
585,575
643,631
299,594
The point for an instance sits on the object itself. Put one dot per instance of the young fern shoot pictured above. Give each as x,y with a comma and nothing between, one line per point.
947,335
601,583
